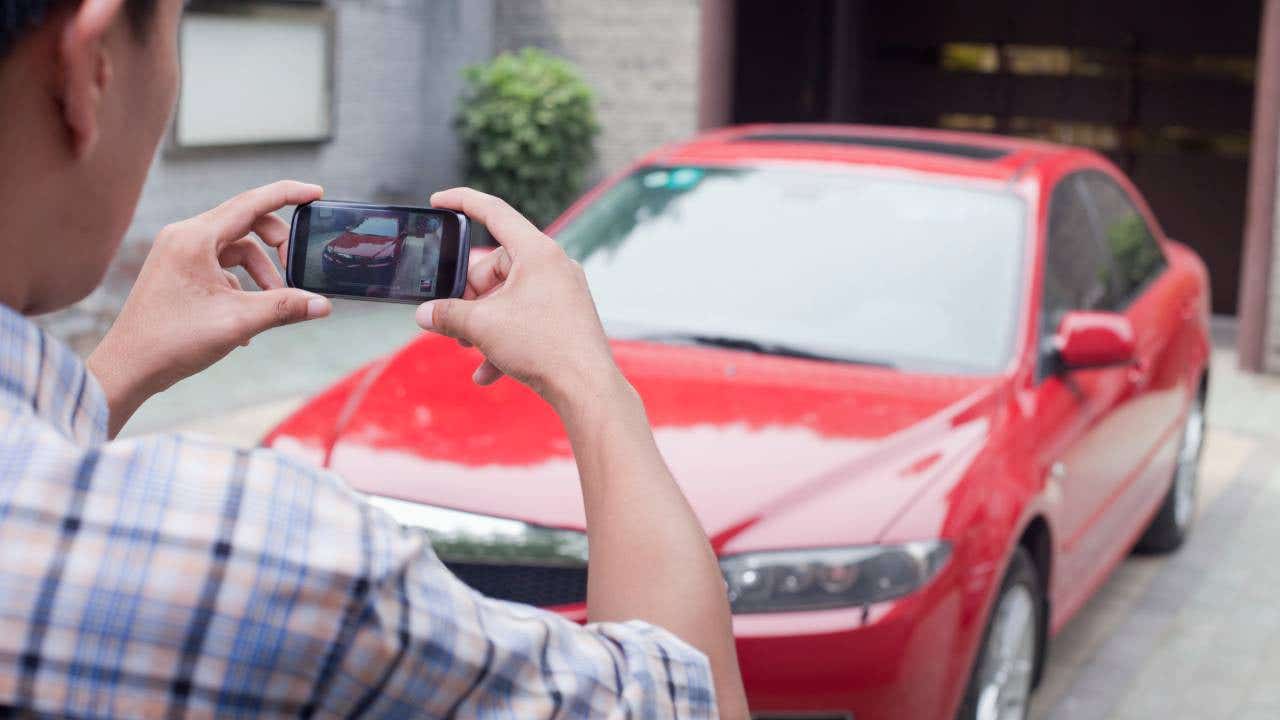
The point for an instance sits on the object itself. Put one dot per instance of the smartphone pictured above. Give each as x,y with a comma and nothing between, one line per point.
378,252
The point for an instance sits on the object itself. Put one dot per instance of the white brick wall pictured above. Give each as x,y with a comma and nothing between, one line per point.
393,138
641,58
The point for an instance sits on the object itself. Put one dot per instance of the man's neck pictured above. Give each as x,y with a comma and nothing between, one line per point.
15,274
28,225
37,208
19,246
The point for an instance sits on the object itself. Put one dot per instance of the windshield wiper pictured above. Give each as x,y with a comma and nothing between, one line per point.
759,346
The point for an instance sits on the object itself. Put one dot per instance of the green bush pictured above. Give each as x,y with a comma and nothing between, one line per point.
527,125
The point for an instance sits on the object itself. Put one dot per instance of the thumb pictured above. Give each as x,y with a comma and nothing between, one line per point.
283,306
447,317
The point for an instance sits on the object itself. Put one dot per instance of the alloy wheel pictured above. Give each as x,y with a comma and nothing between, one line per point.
1187,472
1009,658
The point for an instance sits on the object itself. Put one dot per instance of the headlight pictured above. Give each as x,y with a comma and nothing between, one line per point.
830,577
458,536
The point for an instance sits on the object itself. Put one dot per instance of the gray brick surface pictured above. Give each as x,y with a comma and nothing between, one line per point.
640,58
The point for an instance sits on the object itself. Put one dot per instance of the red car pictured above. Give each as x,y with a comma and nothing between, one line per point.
370,250
924,390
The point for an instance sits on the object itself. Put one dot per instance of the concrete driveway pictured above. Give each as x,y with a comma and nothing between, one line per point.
1192,635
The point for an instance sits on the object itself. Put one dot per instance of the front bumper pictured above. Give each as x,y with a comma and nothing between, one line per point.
356,270
904,659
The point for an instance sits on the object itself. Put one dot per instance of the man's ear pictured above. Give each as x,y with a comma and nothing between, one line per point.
86,69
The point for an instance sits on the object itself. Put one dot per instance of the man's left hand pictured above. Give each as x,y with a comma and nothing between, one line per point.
187,310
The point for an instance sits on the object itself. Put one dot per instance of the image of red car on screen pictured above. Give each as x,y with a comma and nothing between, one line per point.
368,252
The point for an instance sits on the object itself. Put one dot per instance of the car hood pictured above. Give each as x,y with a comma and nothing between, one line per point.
747,436
361,245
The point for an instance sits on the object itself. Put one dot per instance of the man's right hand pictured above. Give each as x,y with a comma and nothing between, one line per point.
526,308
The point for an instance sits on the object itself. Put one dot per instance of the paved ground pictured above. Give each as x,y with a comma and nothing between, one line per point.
1193,635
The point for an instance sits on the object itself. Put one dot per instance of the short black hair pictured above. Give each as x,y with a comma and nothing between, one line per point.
18,17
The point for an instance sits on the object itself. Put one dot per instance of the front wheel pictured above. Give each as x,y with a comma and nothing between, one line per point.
1171,525
1004,673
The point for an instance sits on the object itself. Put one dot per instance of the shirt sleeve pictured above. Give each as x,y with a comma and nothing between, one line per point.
171,575
460,654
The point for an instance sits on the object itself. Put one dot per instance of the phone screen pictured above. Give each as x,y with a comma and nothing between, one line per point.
378,252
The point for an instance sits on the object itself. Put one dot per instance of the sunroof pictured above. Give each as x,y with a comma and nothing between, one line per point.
971,152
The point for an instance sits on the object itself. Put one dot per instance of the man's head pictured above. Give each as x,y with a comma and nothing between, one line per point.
87,88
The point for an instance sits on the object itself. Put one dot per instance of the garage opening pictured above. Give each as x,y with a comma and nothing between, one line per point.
1162,87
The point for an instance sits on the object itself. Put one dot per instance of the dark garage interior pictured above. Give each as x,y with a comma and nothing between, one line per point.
1164,88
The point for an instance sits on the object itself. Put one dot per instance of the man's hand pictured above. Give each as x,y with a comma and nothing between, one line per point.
187,310
526,307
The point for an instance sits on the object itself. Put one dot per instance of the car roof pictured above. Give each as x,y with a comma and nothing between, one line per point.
947,152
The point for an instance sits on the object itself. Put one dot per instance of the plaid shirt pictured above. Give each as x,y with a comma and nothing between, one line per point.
171,576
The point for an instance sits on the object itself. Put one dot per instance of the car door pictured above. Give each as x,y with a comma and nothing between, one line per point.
1074,452
1147,419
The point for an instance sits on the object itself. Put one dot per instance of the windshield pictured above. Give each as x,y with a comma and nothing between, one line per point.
865,267
379,226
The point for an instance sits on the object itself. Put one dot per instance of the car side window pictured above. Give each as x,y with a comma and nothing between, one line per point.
1134,251
1077,270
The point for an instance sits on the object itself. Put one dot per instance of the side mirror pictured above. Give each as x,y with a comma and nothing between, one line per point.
1093,340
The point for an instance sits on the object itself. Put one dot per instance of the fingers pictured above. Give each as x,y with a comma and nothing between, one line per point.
283,306
447,317
232,281
486,374
250,255
234,218
487,274
507,226
275,232
451,318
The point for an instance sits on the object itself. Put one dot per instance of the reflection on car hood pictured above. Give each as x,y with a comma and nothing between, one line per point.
746,435
361,245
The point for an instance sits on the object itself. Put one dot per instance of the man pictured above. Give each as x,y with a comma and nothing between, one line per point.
170,576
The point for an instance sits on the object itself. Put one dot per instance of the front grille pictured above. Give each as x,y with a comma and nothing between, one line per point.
541,585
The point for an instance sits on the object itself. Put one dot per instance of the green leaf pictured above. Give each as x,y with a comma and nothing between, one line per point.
526,124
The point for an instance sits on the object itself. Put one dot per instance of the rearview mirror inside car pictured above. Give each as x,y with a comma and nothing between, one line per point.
1093,340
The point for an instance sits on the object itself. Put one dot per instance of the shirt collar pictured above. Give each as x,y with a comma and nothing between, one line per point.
40,374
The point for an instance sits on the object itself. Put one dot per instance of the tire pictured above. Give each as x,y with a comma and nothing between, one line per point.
1172,523
1004,672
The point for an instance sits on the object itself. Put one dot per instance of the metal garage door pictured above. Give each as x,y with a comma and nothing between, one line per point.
1163,87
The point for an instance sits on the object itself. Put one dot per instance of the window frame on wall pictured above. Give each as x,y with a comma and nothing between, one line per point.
309,11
